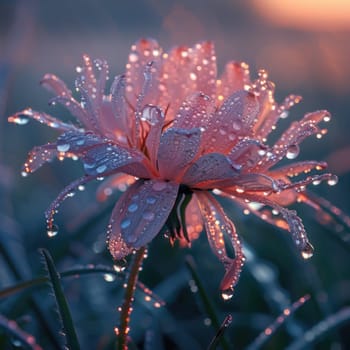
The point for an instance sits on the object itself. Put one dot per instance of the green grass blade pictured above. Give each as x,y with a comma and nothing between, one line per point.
63,308
99,269
220,333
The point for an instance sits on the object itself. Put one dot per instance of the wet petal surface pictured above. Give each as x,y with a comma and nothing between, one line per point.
141,212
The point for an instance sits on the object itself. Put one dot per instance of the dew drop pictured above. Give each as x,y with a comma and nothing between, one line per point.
327,118
227,294
133,57
101,169
24,174
16,343
308,251
63,148
222,131
19,120
52,231
292,151
284,115
193,76
207,321
80,142
151,200
132,207
333,180
81,187
236,125
239,190
108,277
125,223
120,266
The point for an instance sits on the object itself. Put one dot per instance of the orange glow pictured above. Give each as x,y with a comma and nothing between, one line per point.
311,15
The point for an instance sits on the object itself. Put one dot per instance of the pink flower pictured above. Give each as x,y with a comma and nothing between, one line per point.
173,135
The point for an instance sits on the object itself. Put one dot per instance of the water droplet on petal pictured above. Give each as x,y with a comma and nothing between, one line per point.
19,120
333,180
63,148
237,125
132,207
24,174
227,294
101,169
151,200
308,251
125,223
52,231
292,151
327,118
284,114
133,57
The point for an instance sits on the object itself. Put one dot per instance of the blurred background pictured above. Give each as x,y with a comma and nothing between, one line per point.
305,47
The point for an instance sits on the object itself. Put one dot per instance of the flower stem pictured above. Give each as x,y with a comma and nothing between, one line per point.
126,308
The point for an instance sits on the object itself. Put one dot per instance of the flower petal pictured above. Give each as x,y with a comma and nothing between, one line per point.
218,226
289,142
208,169
23,117
297,168
142,211
105,158
186,71
247,152
204,68
77,142
101,157
194,112
177,149
155,118
55,85
234,118
234,78
115,121
68,191
142,53
38,156
255,182
194,222
282,218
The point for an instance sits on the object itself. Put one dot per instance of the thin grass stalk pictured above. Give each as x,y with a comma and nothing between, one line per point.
62,304
126,308
220,333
